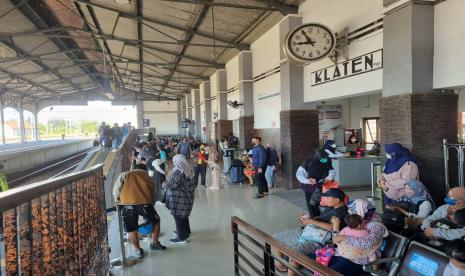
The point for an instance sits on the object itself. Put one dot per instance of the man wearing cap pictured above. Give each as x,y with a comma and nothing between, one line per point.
335,199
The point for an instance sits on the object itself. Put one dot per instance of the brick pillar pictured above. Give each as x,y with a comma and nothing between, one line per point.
299,138
223,128
246,131
420,122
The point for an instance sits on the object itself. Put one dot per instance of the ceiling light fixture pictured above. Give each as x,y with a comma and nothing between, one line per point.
122,2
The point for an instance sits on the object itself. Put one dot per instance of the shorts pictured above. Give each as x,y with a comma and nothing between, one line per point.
131,215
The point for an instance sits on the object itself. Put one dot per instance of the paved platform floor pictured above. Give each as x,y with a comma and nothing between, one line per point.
210,251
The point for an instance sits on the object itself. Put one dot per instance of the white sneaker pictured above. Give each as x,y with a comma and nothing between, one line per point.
213,188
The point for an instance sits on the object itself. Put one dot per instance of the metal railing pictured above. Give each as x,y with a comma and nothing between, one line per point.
374,178
257,258
56,227
460,160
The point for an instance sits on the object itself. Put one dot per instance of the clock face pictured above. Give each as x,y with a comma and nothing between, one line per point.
309,42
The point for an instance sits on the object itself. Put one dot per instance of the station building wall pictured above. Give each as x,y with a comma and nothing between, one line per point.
449,44
163,116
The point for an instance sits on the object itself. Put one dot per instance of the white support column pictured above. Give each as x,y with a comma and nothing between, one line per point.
205,110
188,98
140,114
36,123
196,113
21,124
179,105
245,88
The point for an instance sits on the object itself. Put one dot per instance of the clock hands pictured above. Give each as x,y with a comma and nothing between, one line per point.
309,40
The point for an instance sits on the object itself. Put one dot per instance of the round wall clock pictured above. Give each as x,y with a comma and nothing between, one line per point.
309,42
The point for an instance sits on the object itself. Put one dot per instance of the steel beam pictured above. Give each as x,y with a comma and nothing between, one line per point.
166,24
45,23
284,9
189,35
140,37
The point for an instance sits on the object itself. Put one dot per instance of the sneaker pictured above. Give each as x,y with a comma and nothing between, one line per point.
179,241
257,196
140,254
157,246
214,188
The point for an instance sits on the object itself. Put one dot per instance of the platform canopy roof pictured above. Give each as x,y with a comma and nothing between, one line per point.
150,49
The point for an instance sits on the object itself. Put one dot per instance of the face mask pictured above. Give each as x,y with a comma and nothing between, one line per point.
333,146
450,201
388,156
323,160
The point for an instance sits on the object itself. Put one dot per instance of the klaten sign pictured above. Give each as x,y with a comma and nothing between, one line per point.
356,66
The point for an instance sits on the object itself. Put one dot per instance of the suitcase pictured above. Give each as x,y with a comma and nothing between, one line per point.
237,175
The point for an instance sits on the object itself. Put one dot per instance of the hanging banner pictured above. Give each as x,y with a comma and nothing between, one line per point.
356,66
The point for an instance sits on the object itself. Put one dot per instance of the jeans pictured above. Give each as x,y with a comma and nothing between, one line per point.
261,182
226,164
202,170
270,176
183,228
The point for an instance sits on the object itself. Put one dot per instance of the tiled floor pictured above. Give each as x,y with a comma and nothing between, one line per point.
210,251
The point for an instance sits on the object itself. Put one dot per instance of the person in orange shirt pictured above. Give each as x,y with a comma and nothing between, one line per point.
201,166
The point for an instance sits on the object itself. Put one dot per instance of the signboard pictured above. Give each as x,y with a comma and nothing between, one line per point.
146,123
356,66
184,125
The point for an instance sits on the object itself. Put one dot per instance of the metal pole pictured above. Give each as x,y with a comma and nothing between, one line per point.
122,261
446,164
373,166
2,120
21,124
461,160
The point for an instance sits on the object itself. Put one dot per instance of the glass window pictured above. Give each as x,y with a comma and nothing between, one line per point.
371,132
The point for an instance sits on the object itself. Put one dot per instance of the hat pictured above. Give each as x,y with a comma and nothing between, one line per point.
335,192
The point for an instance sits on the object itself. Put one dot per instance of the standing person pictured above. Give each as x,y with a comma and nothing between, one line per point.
179,192
330,148
134,193
401,167
201,166
159,177
184,148
272,160
116,135
124,131
101,134
214,168
311,174
224,146
259,163
108,136
233,143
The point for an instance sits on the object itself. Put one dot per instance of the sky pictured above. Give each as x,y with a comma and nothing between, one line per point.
94,111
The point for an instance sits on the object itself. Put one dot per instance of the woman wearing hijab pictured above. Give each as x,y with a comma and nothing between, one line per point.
441,224
416,203
330,149
311,174
354,252
179,192
401,167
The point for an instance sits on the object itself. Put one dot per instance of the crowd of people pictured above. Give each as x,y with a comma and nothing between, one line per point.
349,231
111,137
346,235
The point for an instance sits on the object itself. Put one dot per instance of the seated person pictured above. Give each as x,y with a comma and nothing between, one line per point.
455,250
401,167
415,205
441,224
355,226
292,238
354,252
249,170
